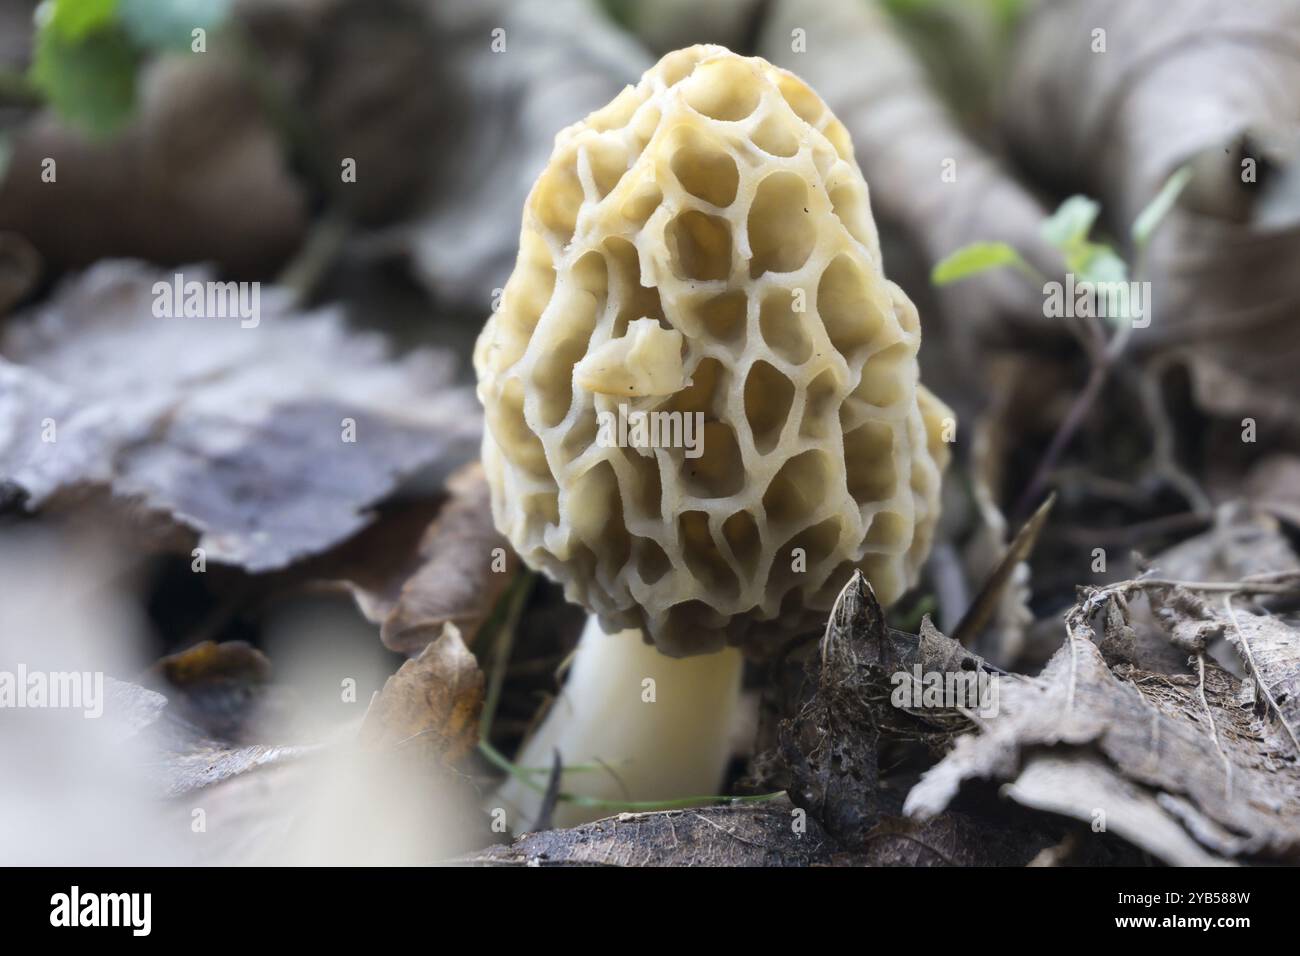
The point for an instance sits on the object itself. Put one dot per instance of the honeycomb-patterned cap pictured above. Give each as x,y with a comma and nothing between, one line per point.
701,390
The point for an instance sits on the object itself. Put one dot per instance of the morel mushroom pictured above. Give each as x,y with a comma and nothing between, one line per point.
702,409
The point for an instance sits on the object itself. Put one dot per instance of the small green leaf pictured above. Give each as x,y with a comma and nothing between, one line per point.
169,24
1156,210
973,259
1096,262
1101,266
74,20
91,82
1071,222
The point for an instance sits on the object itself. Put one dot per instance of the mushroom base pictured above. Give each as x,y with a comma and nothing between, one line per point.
635,725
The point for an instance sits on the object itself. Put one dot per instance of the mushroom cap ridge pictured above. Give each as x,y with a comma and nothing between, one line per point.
702,396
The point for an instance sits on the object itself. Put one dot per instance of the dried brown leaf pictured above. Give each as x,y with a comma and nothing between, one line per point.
1243,541
1240,543
237,434
829,746
1086,788
465,567
1166,735
185,757
218,687
433,702
373,564
768,834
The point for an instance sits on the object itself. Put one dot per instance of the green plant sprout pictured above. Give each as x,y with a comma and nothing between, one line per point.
1089,261
88,53
1067,229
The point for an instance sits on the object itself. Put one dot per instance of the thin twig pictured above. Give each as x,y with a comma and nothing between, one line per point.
1074,418
1163,455
1279,582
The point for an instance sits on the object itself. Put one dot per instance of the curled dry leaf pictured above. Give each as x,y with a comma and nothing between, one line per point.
250,437
1243,541
1179,743
433,702
374,563
1082,785
830,744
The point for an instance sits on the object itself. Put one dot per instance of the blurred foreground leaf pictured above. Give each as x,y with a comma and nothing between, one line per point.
270,442
88,81
74,20
433,702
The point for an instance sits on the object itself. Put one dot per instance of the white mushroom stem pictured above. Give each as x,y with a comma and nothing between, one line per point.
634,724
